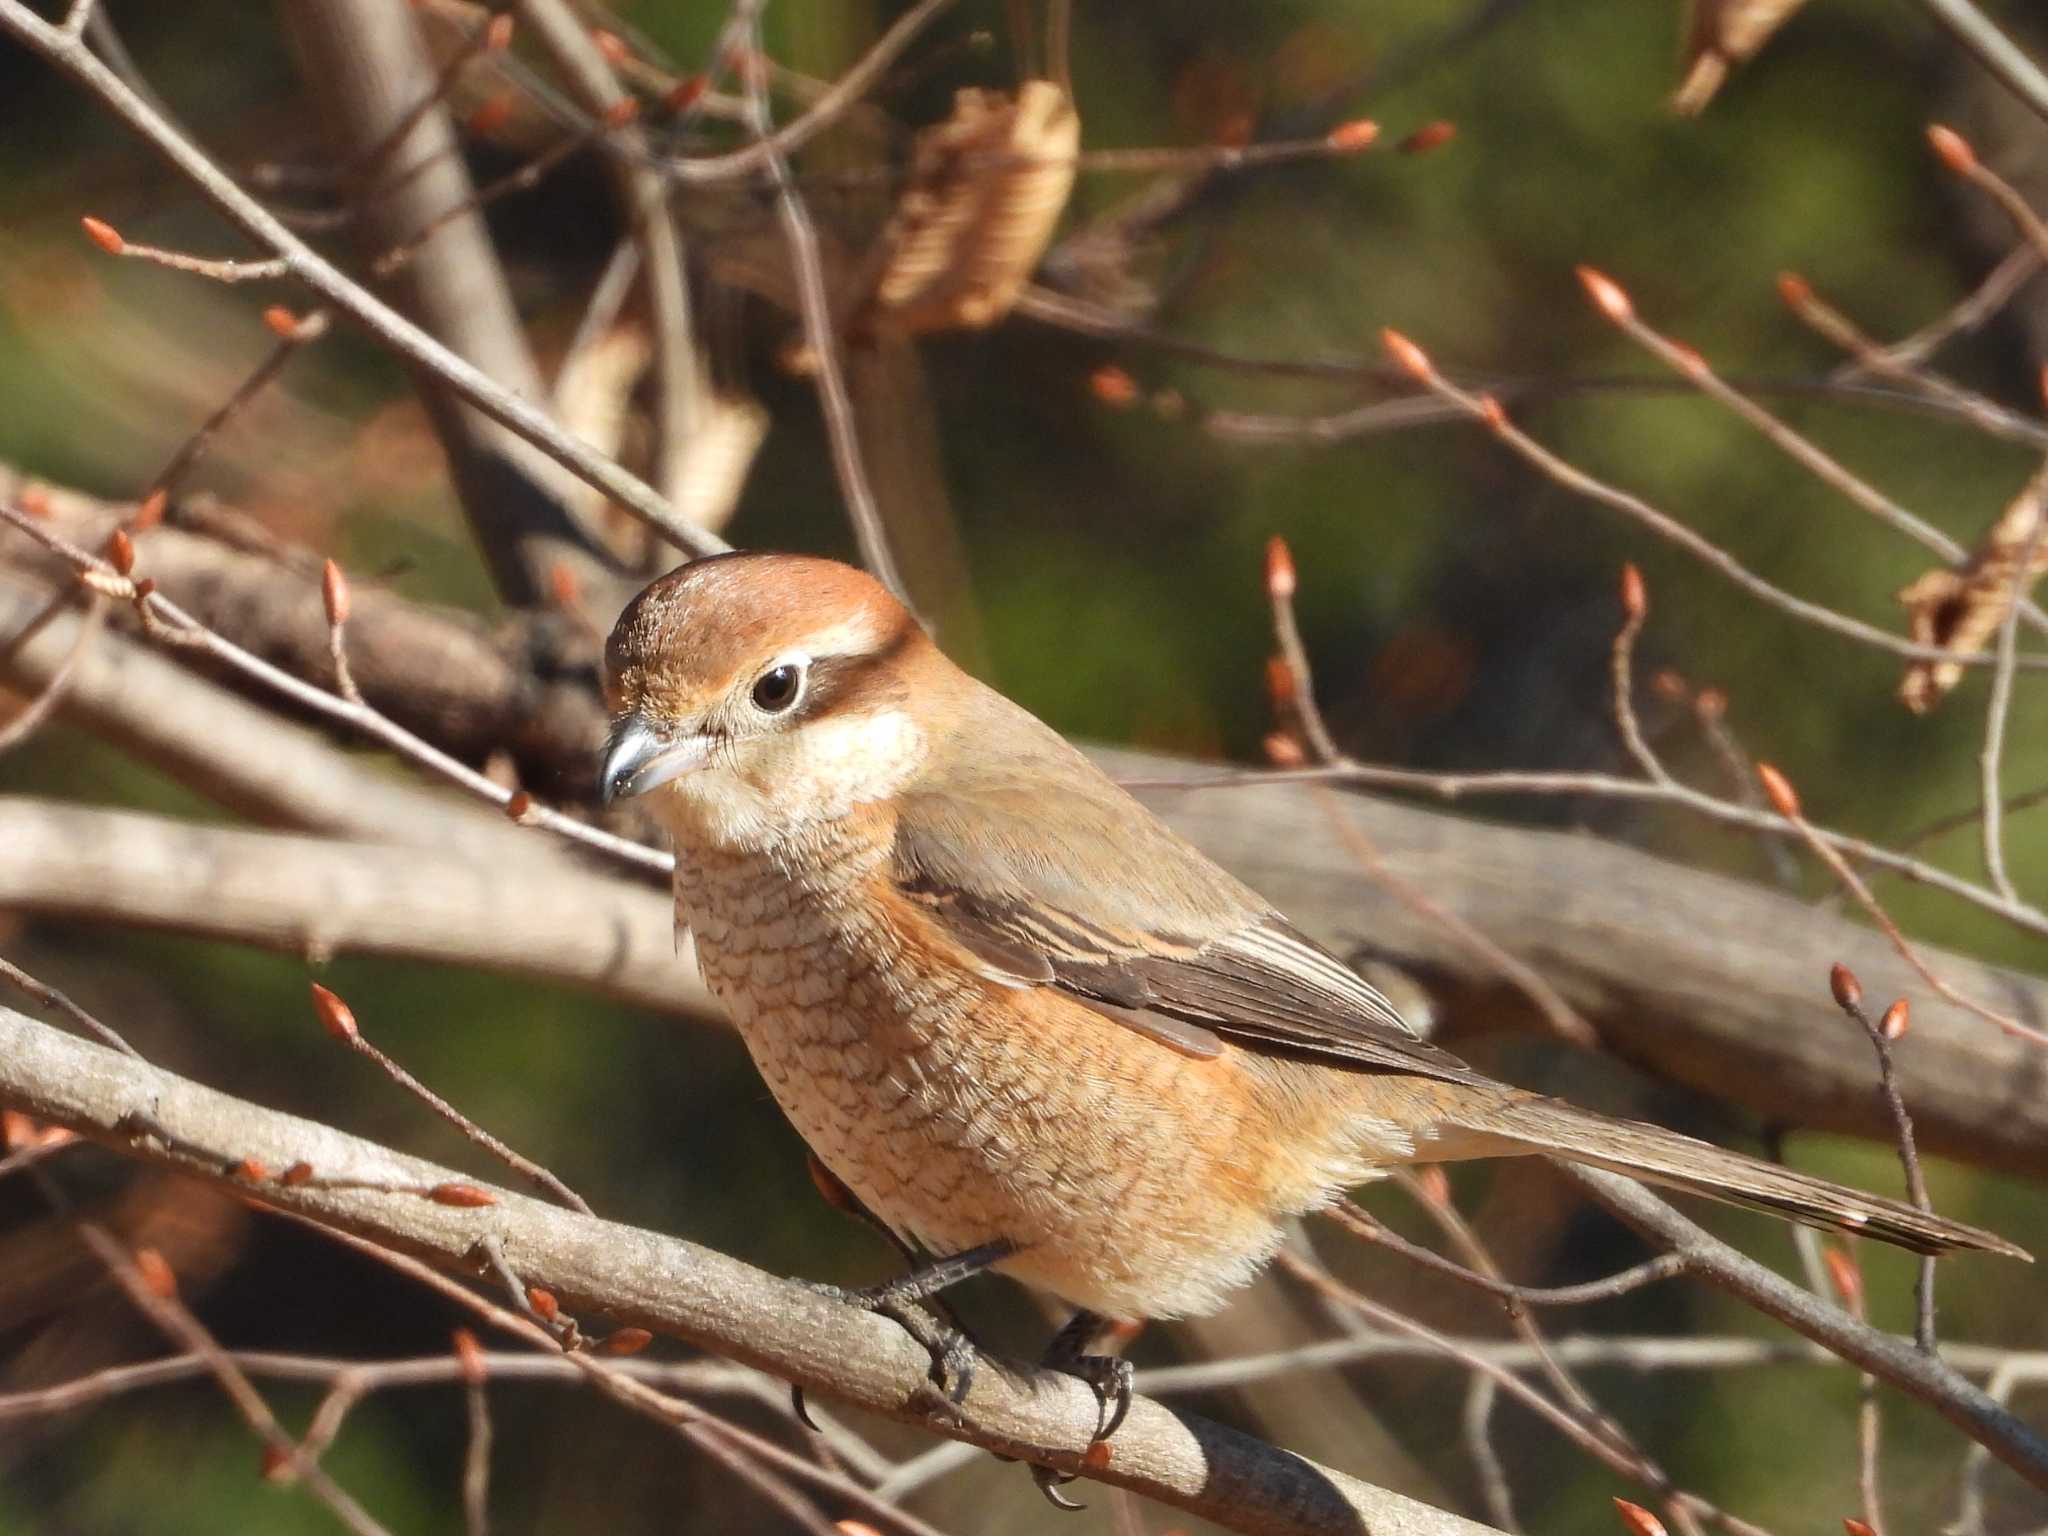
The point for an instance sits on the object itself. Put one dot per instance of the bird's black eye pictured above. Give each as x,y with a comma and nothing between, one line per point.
777,688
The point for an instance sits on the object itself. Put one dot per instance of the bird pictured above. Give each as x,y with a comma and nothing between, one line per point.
1023,1022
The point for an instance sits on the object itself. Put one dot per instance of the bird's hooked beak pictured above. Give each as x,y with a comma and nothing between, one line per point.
639,756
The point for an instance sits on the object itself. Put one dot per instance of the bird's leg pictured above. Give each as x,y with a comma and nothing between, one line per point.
1108,1375
953,1351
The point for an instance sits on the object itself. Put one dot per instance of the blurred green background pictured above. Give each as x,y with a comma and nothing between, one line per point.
1459,610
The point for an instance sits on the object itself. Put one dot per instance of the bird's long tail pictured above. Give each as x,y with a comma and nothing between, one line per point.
1530,1123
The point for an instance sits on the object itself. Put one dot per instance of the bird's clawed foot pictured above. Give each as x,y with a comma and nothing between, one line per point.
1108,1376
952,1349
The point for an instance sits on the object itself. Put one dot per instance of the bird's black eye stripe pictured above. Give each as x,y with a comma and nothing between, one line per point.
777,688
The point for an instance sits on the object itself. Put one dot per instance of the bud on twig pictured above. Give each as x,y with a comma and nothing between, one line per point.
1638,1521
1407,356
297,1174
157,1276
684,93
1283,751
1778,790
1855,1527
251,1171
334,1015
1429,136
1493,413
1349,138
121,551
149,511
492,116
1279,570
282,323
1635,601
1847,989
1112,386
1952,149
544,1305
451,1193
103,235
498,34
1795,290
1606,294
469,1355
610,45
1896,1021
1846,1276
624,1341
334,593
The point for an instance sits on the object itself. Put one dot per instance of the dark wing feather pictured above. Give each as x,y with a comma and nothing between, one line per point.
1176,948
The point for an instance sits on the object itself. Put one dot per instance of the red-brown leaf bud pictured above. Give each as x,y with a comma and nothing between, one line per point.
335,1016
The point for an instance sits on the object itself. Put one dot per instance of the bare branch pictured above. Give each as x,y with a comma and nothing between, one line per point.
321,898
73,59
644,1280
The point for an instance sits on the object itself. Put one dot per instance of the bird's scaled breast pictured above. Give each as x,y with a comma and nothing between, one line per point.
1134,1181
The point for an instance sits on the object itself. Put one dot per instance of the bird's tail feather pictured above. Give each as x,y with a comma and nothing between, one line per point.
1550,1126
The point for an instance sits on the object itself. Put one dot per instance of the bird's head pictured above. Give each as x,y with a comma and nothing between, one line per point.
754,695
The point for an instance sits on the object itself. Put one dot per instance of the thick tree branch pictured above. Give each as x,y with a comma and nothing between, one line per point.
1713,982
322,898
643,1279
231,751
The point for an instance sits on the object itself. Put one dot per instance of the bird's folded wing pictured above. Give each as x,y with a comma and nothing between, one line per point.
1151,934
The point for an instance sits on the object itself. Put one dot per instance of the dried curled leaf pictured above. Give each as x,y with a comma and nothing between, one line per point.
1961,610
986,188
1724,33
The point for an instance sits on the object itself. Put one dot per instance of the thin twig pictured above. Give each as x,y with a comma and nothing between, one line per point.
50,997
476,1460
1849,996
1360,1222
1972,313
162,1307
1622,676
32,715
75,60
1997,711
772,146
1487,411
1481,1393
217,270
1509,782
820,331
1831,472
339,1020
172,625
1787,805
1868,356
302,330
